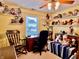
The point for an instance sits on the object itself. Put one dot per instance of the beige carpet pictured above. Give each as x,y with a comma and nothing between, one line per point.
45,55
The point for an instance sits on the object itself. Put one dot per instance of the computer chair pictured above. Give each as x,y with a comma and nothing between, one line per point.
41,42
14,39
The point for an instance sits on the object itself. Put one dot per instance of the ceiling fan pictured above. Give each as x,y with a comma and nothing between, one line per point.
55,3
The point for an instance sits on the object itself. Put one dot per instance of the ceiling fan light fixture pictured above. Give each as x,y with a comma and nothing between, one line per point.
49,6
57,4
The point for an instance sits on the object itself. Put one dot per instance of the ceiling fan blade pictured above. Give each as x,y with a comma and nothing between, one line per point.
66,1
45,5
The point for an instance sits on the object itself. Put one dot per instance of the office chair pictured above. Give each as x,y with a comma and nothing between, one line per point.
41,42
14,39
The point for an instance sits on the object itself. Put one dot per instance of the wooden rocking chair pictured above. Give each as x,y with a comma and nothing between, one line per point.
14,39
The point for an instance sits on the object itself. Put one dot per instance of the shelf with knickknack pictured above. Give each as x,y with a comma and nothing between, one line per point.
17,20
65,21
72,20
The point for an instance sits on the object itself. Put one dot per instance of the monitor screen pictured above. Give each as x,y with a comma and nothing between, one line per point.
31,26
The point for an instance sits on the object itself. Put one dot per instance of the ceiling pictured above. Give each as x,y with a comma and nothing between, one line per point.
35,4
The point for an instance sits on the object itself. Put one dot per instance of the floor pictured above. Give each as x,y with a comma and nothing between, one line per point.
45,55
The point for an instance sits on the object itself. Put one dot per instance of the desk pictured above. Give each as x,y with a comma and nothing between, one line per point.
30,43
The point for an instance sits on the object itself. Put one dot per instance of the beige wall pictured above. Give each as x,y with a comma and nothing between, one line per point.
6,25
